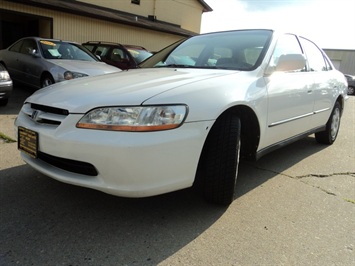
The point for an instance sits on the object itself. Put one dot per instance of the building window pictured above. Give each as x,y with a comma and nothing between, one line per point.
136,2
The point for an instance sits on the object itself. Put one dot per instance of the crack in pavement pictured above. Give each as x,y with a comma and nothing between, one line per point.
313,175
304,176
325,175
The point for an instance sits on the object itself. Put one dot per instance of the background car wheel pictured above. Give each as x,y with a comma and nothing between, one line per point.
47,80
217,170
332,128
351,90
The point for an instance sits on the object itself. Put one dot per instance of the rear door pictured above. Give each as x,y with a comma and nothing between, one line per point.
11,59
30,65
324,87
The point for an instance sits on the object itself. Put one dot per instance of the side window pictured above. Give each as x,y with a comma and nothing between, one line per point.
315,57
16,47
287,44
90,47
102,51
28,46
117,55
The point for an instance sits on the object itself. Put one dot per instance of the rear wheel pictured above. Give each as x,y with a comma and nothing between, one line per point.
217,170
351,90
329,135
47,80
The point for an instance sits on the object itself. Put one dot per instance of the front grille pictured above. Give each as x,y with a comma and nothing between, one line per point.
74,166
49,109
43,114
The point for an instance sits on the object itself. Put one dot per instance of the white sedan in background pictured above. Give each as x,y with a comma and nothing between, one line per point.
186,116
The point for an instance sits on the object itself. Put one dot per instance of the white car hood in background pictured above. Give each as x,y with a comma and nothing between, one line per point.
91,68
131,87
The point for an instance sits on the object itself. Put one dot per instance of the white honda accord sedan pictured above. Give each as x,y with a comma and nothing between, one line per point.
186,116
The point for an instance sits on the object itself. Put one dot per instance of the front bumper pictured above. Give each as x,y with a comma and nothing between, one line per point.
5,89
128,164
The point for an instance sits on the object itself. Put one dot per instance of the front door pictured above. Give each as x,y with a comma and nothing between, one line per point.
290,96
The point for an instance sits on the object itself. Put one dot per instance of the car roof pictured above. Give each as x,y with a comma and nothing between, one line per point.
115,44
46,39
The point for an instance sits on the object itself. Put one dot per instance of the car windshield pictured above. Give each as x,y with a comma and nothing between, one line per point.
64,50
139,55
235,50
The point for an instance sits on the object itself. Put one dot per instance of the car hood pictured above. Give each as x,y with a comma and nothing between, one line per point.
90,68
131,87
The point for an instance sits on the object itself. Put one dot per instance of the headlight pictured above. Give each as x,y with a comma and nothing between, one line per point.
4,76
73,75
135,118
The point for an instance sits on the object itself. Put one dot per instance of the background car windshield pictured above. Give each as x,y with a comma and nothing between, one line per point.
139,55
64,50
237,50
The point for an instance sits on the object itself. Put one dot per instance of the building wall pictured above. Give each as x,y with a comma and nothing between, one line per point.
343,60
186,13
81,29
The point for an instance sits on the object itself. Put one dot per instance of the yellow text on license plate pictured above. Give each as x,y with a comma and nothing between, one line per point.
28,141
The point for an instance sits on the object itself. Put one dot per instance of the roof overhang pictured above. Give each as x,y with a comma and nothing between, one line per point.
107,14
206,7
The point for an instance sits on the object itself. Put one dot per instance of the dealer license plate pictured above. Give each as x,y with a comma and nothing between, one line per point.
28,141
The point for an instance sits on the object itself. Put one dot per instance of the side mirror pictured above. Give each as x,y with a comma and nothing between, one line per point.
34,53
288,62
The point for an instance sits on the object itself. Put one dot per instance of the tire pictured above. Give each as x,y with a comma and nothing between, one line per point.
217,170
329,135
47,80
351,90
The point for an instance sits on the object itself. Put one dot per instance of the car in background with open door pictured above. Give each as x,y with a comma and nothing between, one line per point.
118,55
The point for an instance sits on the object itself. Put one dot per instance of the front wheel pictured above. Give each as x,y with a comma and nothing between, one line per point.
217,170
329,135
47,80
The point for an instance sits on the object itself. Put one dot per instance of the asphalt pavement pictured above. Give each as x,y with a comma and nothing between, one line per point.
294,206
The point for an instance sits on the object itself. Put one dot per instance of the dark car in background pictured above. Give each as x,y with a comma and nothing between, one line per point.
351,84
5,85
39,62
118,55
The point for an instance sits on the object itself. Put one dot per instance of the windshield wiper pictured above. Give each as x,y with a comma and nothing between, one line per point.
177,65
199,67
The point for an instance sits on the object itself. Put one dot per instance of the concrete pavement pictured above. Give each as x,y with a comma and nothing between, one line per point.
295,206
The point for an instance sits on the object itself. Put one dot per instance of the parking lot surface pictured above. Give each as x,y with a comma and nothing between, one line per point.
294,206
